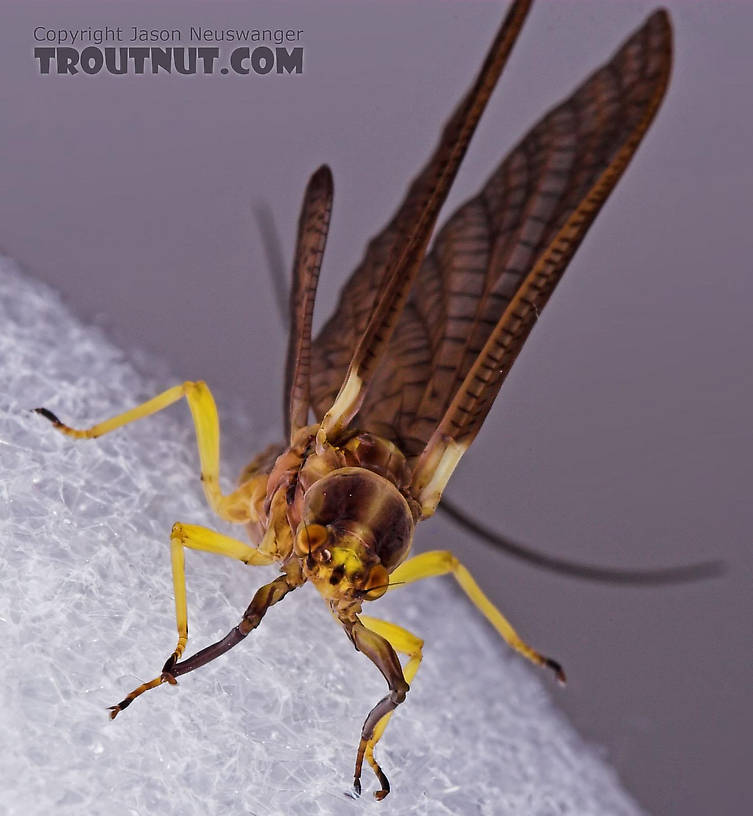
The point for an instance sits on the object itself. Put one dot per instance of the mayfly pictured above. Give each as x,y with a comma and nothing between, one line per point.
401,378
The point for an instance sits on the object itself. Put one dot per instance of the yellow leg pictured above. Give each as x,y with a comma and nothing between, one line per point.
441,562
402,641
205,540
196,538
235,507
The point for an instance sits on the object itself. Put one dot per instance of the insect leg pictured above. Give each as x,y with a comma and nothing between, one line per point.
201,538
197,538
402,641
441,562
265,597
235,507
381,653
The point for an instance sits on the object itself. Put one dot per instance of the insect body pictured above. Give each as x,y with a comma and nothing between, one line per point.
402,377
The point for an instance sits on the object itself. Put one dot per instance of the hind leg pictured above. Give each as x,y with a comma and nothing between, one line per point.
237,506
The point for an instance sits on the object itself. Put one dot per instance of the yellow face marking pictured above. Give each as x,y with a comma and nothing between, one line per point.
340,572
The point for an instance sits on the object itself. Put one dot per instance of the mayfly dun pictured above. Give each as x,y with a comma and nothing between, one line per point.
401,378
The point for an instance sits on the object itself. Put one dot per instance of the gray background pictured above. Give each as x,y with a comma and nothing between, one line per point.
622,436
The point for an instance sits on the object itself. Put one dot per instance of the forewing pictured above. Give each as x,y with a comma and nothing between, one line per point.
501,255
495,262
313,226
373,300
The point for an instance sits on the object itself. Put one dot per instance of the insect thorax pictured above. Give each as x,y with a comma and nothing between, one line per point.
357,489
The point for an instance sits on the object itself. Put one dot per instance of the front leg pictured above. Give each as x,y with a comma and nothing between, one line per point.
265,597
403,641
383,656
205,540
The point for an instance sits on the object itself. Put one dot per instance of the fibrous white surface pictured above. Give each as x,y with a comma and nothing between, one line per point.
86,614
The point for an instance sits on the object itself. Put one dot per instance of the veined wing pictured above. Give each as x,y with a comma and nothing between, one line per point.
496,261
313,227
545,197
373,300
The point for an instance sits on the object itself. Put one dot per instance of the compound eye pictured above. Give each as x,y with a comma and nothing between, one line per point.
378,583
309,538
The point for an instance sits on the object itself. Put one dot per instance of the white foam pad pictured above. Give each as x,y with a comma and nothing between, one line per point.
86,614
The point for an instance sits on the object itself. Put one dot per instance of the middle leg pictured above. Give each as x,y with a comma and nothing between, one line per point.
440,562
196,538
